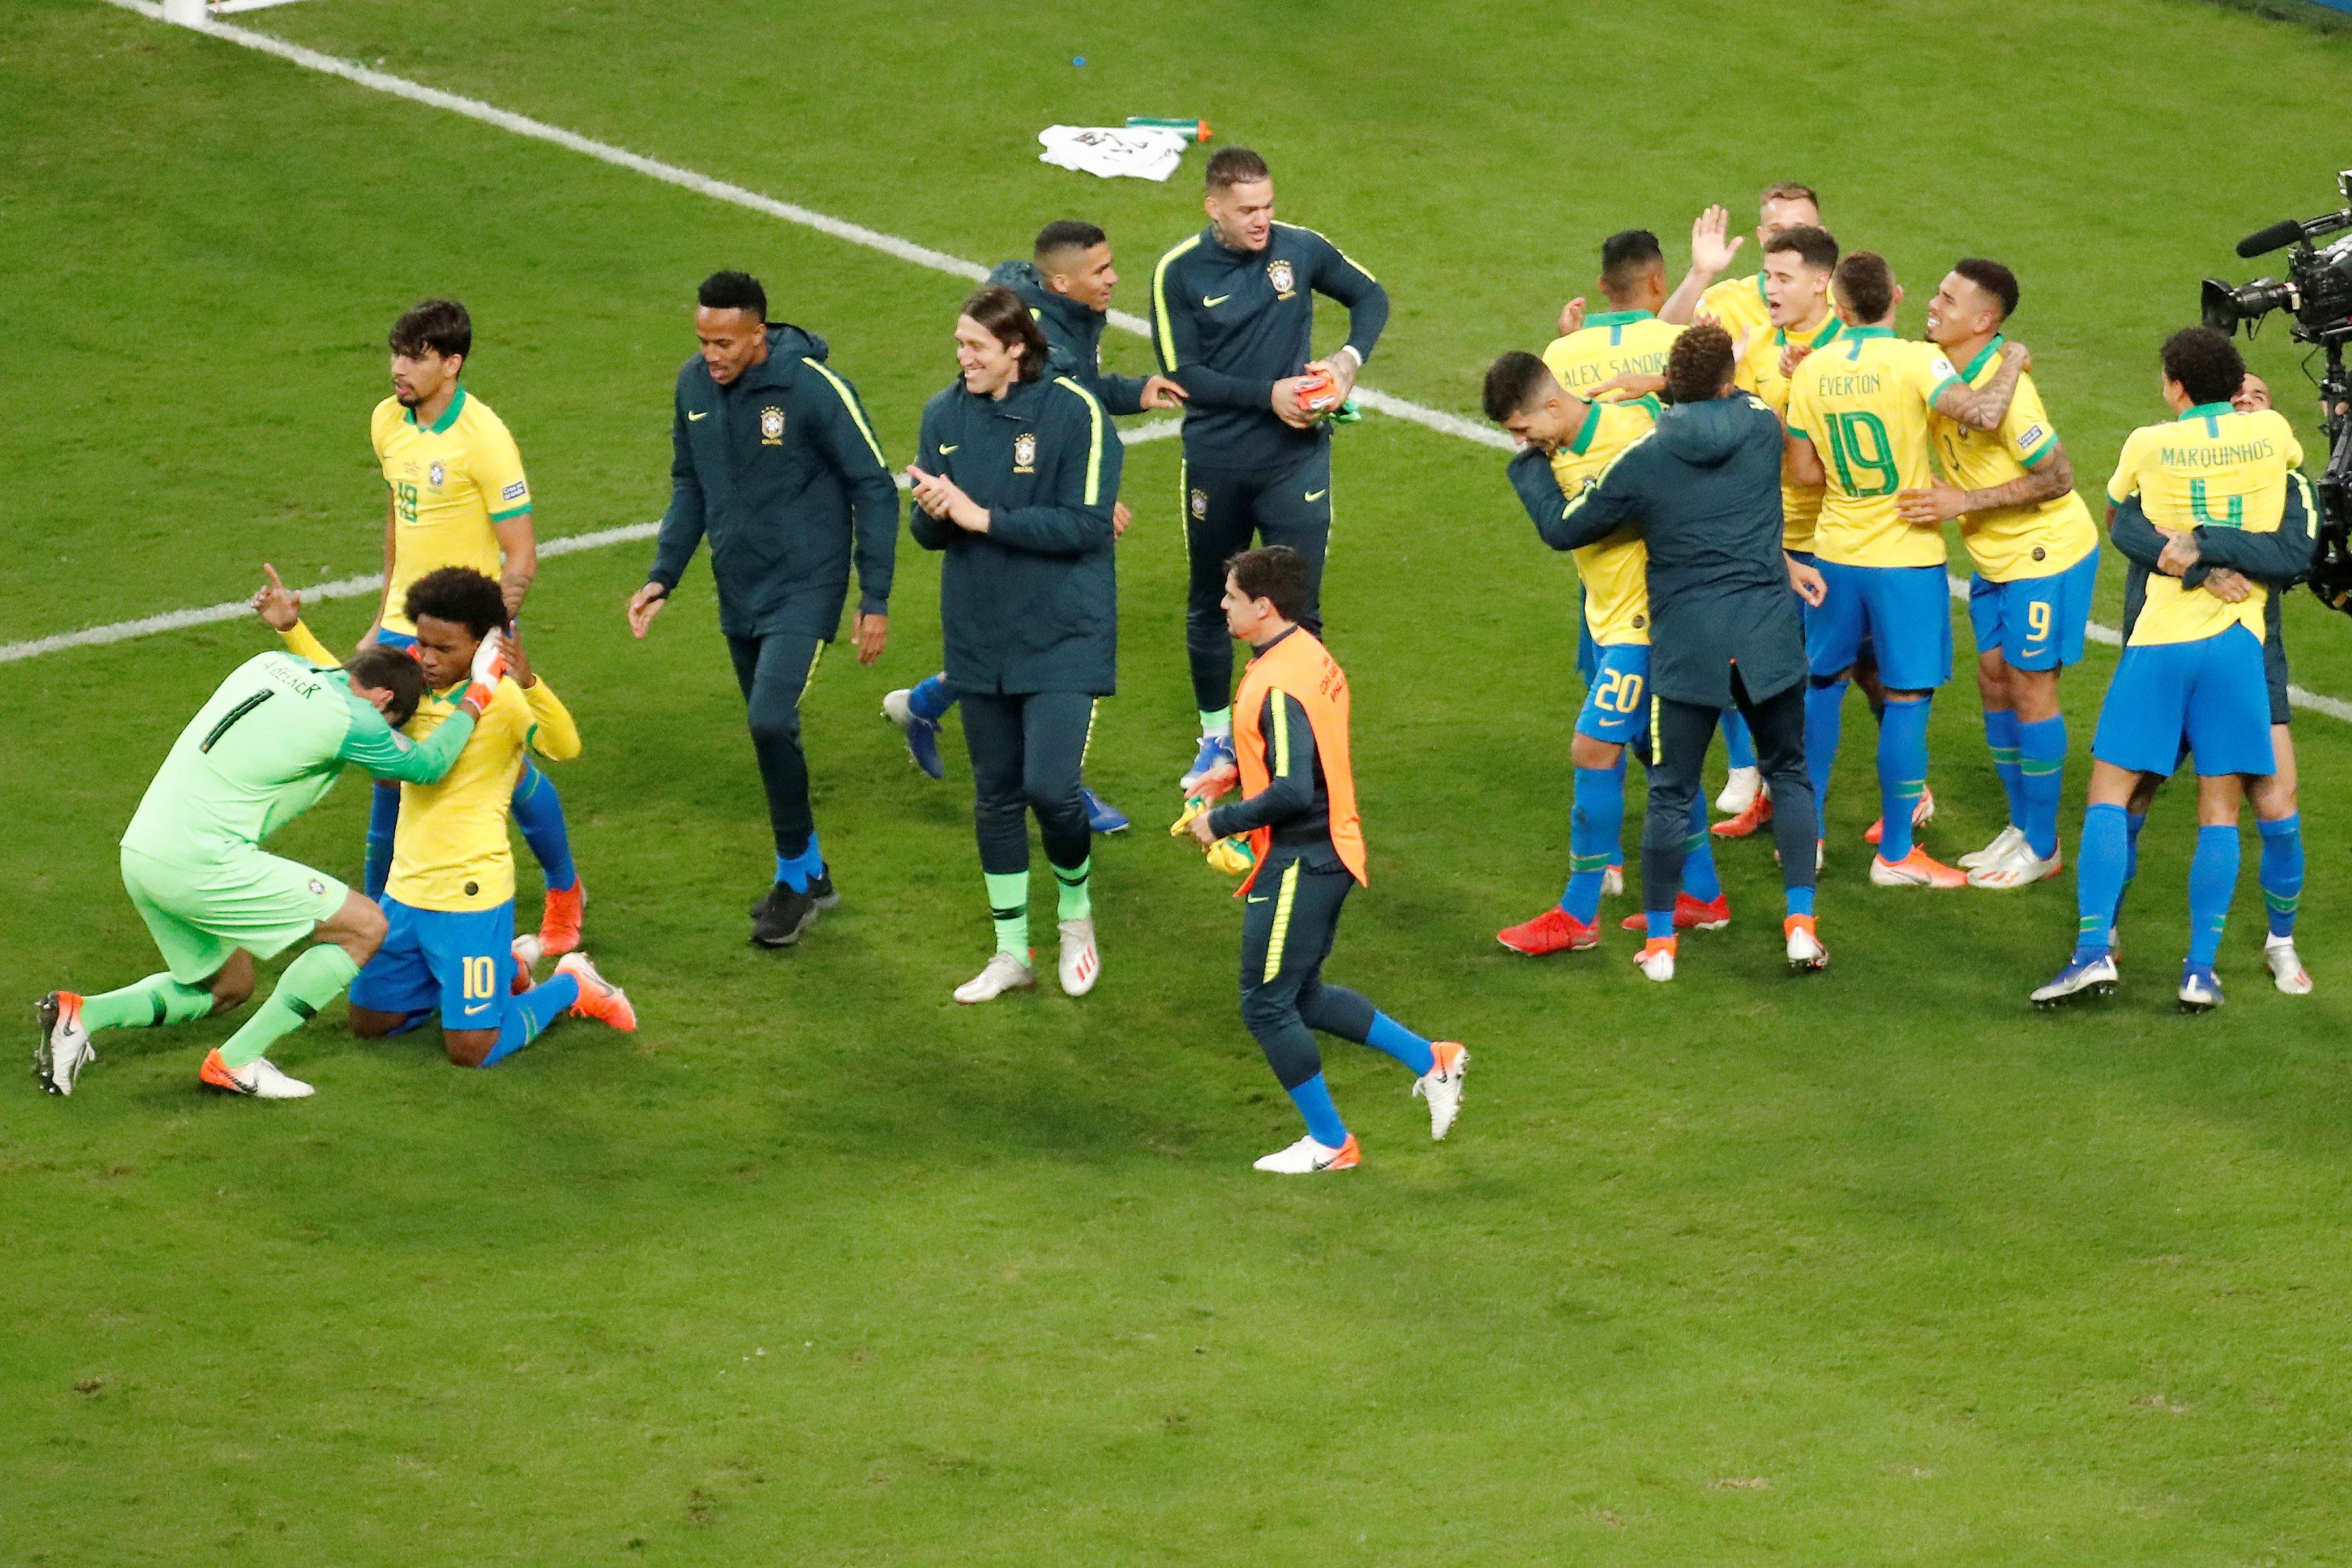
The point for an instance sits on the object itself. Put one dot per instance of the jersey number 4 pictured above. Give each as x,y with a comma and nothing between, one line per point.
1858,442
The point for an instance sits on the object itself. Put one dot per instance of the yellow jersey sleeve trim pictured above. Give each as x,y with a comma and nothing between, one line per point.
1335,247
303,643
1160,300
1281,732
841,389
1095,439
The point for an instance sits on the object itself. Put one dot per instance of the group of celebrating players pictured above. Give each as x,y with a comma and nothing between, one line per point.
1771,471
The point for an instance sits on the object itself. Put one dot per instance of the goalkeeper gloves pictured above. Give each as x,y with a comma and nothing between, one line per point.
489,668
1231,855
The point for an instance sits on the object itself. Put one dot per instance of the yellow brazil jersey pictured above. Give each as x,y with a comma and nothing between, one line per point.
2211,467
1864,403
452,482
1618,342
1739,304
2039,539
1759,371
1615,571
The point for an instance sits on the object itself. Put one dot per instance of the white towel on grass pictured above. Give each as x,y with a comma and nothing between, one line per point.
1112,151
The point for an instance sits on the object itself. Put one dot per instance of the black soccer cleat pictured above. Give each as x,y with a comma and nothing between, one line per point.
778,919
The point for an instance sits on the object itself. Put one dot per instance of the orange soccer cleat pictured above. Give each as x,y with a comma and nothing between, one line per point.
1689,914
559,921
1554,930
1924,812
1916,869
1758,812
599,998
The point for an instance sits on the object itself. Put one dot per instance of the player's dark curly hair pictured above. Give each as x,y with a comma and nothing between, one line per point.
1699,364
1277,574
1866,284
389,670
1008,320
733,292
457,594
441,326
2205,362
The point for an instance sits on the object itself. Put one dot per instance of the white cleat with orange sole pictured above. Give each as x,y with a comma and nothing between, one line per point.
256,1080
1308,1158
1441,1086
64,1048
2288,971
2020,868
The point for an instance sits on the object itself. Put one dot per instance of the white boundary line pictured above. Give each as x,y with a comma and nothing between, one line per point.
807,218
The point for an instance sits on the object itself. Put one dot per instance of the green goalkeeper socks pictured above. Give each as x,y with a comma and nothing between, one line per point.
1008,901
149,1003
309,982
1077,901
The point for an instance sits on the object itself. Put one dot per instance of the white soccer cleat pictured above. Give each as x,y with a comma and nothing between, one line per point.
1658,962
1004,973
1080,964
256,1080
1739,791
2004,844
2020,868
1806,952
2082,977
1306,1157
65,1048
2286,970
1612,882
2200,988
1441,1086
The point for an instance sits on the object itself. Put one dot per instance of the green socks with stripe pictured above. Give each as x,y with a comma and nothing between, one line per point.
309,982
1076,901
149,1003
1008,902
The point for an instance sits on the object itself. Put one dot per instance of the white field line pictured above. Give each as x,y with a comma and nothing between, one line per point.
807,218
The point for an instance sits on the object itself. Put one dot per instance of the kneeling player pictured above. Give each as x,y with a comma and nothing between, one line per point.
265,748
1298,809
450,900
2192,681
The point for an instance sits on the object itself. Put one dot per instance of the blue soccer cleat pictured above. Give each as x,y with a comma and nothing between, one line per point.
1216,751
2200,988
922,735
2086,974
1103,816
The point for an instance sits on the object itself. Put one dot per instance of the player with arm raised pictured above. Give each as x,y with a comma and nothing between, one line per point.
2276,560
1067,285
449,944
2036,552
1297,806
1740,305
268,746
455,496
1857,427
1233,318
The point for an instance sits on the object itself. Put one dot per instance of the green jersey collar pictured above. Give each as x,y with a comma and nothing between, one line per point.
1861,334
1984,357
2208,411
1827,332
449,415
1584,435
1618,318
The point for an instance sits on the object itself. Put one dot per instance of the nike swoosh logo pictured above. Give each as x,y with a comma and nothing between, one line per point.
692,417
1214,303
1261,900
484,1007
1318,495
945,450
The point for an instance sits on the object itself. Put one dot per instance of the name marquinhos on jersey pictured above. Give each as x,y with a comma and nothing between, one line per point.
2221,455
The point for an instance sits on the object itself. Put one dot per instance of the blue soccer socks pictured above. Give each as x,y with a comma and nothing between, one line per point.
1699,879
1388,1035
2099,873
384,822
1824,717
2000,736
1323,1123
796,871
930,699
527,1014
1902,772
2212,882
539,812
2041,766
1739,745
2282,871
1596,827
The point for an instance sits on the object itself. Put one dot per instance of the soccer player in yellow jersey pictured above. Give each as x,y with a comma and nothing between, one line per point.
1567,441
2191,682
455,496
2036,552
1627,338
1739,304
449,906
1857,426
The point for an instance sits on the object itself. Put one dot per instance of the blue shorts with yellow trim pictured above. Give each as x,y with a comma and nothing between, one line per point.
459,961
1617,695
2035,623
2207,699
1902,614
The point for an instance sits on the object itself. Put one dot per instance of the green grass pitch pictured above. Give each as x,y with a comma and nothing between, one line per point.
818,1267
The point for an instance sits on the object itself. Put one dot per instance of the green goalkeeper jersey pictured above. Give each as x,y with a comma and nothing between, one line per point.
273,740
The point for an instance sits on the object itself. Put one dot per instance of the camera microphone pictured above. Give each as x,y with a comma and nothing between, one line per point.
2287,231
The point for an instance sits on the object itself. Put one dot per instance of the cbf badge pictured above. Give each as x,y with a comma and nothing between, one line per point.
1278,272
771,426
1200,504
435,475
1024,453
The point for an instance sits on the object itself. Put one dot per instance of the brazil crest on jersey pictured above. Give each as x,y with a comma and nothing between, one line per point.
452,482
1864,403
2211,467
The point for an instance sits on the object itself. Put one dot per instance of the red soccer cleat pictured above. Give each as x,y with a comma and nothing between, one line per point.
1922,813
1758,812
559,920
1689,914
599,998
1554,930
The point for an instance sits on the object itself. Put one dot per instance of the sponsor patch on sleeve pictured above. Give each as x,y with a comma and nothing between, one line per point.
515,492
2030,437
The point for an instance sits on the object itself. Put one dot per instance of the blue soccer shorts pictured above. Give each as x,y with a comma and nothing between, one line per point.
2035,623
459,961
1617,695
2207,699
1902,612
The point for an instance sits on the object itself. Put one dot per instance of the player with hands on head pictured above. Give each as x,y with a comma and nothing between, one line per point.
1067,285
1233,320
1017,477
774,460
1297,807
